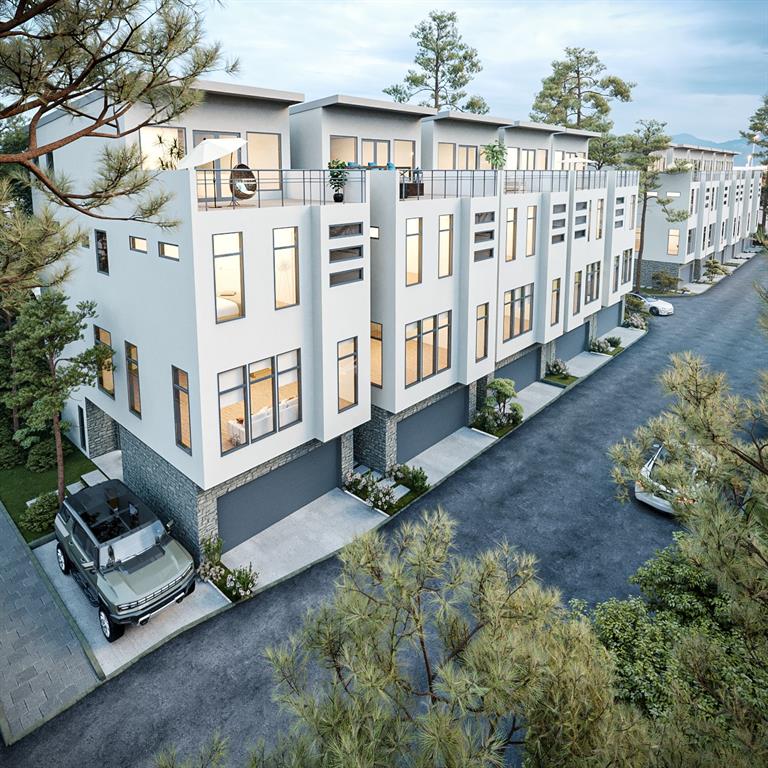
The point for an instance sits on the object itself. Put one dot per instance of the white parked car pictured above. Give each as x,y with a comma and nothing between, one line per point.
653,305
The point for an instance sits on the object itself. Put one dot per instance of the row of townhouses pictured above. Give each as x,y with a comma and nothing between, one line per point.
722,203
274,337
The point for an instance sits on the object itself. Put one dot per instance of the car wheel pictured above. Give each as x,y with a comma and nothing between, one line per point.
654,311
62,559
109,629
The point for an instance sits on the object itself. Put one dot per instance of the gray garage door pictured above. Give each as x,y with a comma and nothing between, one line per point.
430,425
523,371
608,318
255,506
572,343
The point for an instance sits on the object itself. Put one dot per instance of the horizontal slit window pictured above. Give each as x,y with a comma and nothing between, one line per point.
168,251
483,254
485,236
485,217
558,239
347,276
558,223
559,208
138,244
580,220
344,254
582,206
579,234
345,230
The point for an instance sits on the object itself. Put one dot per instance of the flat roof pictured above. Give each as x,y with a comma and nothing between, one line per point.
699,148
358,102
471,117
248,91
547,128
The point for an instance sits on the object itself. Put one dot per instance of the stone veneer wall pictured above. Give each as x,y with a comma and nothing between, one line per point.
101,431
347,448
648,267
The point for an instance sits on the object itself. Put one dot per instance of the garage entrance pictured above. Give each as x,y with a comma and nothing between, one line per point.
250,509
608,318
572,343
430,425
523,371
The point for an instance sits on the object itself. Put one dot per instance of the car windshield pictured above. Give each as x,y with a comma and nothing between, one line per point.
127,547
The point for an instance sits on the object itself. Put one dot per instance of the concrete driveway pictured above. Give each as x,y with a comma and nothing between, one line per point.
546,488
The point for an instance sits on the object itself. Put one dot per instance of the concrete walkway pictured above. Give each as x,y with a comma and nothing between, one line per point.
628,336
43,668
311,533
111,464
112,657
536,396
442,458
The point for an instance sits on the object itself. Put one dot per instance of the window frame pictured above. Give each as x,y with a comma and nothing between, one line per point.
161,243
380,339
482,314
511,237
578,279
517,303
437,326
132,372
96,233
440,254
355,140
177,390
242,277
554,294
531,228
132,244
246,408
420,236
297,281
341,358
98,341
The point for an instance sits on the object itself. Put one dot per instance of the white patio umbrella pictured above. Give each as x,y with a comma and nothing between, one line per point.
209,150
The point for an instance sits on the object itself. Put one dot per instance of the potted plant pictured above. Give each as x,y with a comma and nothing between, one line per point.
337,178
496,154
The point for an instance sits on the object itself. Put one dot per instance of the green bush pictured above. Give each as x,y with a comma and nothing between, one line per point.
633,304
663,281
38,516
11,453
42,455
557,367
602,346
614,341
413,478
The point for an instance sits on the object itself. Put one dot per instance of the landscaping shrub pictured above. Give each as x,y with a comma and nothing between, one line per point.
712,269
38,516
11,453
237,584
633,304
600,345
557,367
359,485
382,496
663,281
633,320
413,478
42,455
240,583
614,341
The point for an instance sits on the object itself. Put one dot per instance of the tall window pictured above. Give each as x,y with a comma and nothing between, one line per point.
599,222
616,269
261,396
530,231
466,157
626,266
413,251
344,148
132,375
264,154
233,420
105,376
405,153
511,251
346,373
377,354
161,147
632,210
102,252
541,159
181,408
445,246
481,332
554,310
577,293
374,151
286,259
518,311
673,242
527,159
427,347
592,287
446,156
228,276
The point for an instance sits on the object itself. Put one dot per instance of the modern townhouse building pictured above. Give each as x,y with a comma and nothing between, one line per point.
722,202
274,337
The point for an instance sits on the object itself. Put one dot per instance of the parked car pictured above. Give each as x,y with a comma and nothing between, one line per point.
651,491
654,305
121,555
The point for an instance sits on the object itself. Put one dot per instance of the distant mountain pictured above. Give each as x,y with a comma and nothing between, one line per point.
734,145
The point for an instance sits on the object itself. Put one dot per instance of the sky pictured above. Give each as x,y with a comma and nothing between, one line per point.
699,66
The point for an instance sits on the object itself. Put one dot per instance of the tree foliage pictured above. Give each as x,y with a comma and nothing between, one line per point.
445,65
606,150
578,93
641,152
757,135
45,371
95,60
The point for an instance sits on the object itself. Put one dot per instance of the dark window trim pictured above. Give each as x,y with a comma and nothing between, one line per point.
96,234
339,358
242,278
519,302
356,139
449,230
335,279
247,415
128,362
160,244
348,234
420,236
342,259
177,387
295,247
435,349
131,239
381,341
275,405
485,319
97,340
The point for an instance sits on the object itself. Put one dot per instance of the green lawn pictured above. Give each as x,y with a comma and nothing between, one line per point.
18,485
561,381
615,351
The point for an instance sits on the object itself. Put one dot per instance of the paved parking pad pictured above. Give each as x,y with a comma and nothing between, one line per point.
136,641
442,458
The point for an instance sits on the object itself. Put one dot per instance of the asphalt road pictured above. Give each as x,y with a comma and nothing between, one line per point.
546,488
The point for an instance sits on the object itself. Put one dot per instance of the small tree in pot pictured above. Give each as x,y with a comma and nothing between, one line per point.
496,154
337,179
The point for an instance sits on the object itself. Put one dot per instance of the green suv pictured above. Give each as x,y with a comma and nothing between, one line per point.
121,555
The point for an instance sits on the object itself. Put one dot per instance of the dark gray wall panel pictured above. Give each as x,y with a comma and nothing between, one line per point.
523,371
608,318
430,425
570,344
255,506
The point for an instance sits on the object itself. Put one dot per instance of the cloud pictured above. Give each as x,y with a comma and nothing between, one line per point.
699,66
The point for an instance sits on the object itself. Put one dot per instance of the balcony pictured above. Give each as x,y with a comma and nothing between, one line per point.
591,179
246,187
438,185
516,182
627,178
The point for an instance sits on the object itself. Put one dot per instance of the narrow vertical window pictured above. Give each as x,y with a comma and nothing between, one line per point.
599,223
405,153
481,332
530,232
511,245
443,341
228,276
261,395
411,353
577,293
377,354
286,259
554,310
346,373
428,346
132,375
413,251
233,409
445,246
673,242
102,252
616,260
181,408
289,388
105,376
632,211
446,156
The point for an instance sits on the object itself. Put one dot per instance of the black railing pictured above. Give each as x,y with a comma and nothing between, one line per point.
432,185
243,186
591,179
535,181
627,178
